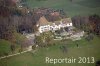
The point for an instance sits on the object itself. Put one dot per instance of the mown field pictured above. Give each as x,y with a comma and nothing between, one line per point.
86,49
77,7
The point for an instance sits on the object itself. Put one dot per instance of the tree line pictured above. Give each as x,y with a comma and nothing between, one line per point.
90,24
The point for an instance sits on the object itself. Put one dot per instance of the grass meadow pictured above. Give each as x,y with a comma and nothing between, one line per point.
77,7
86,49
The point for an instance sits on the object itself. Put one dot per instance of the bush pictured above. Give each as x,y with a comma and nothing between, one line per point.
64,49
34,47
20,50
90,37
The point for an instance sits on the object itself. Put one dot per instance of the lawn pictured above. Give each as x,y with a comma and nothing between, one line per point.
4,47
86,49
77,7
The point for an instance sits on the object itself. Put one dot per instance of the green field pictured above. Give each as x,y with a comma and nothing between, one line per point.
4,47
86,49
77,7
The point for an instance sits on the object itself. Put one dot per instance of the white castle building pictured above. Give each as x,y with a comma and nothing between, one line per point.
43,25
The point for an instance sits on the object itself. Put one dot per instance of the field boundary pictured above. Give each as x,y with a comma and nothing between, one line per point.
15,54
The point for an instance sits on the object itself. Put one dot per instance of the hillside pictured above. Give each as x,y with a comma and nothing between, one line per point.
77,7
86,49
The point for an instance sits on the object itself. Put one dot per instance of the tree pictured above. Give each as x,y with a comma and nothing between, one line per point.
88,23
6,7
38,40
34,47
6,22
6,28
64,49
45,39
12,48
90,37
24,23
26,43
95,24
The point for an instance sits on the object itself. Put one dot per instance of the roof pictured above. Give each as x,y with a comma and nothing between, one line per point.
43,21
55,14
66,20
15,1
57,22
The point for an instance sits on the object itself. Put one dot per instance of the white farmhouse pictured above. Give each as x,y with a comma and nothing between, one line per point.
43,25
